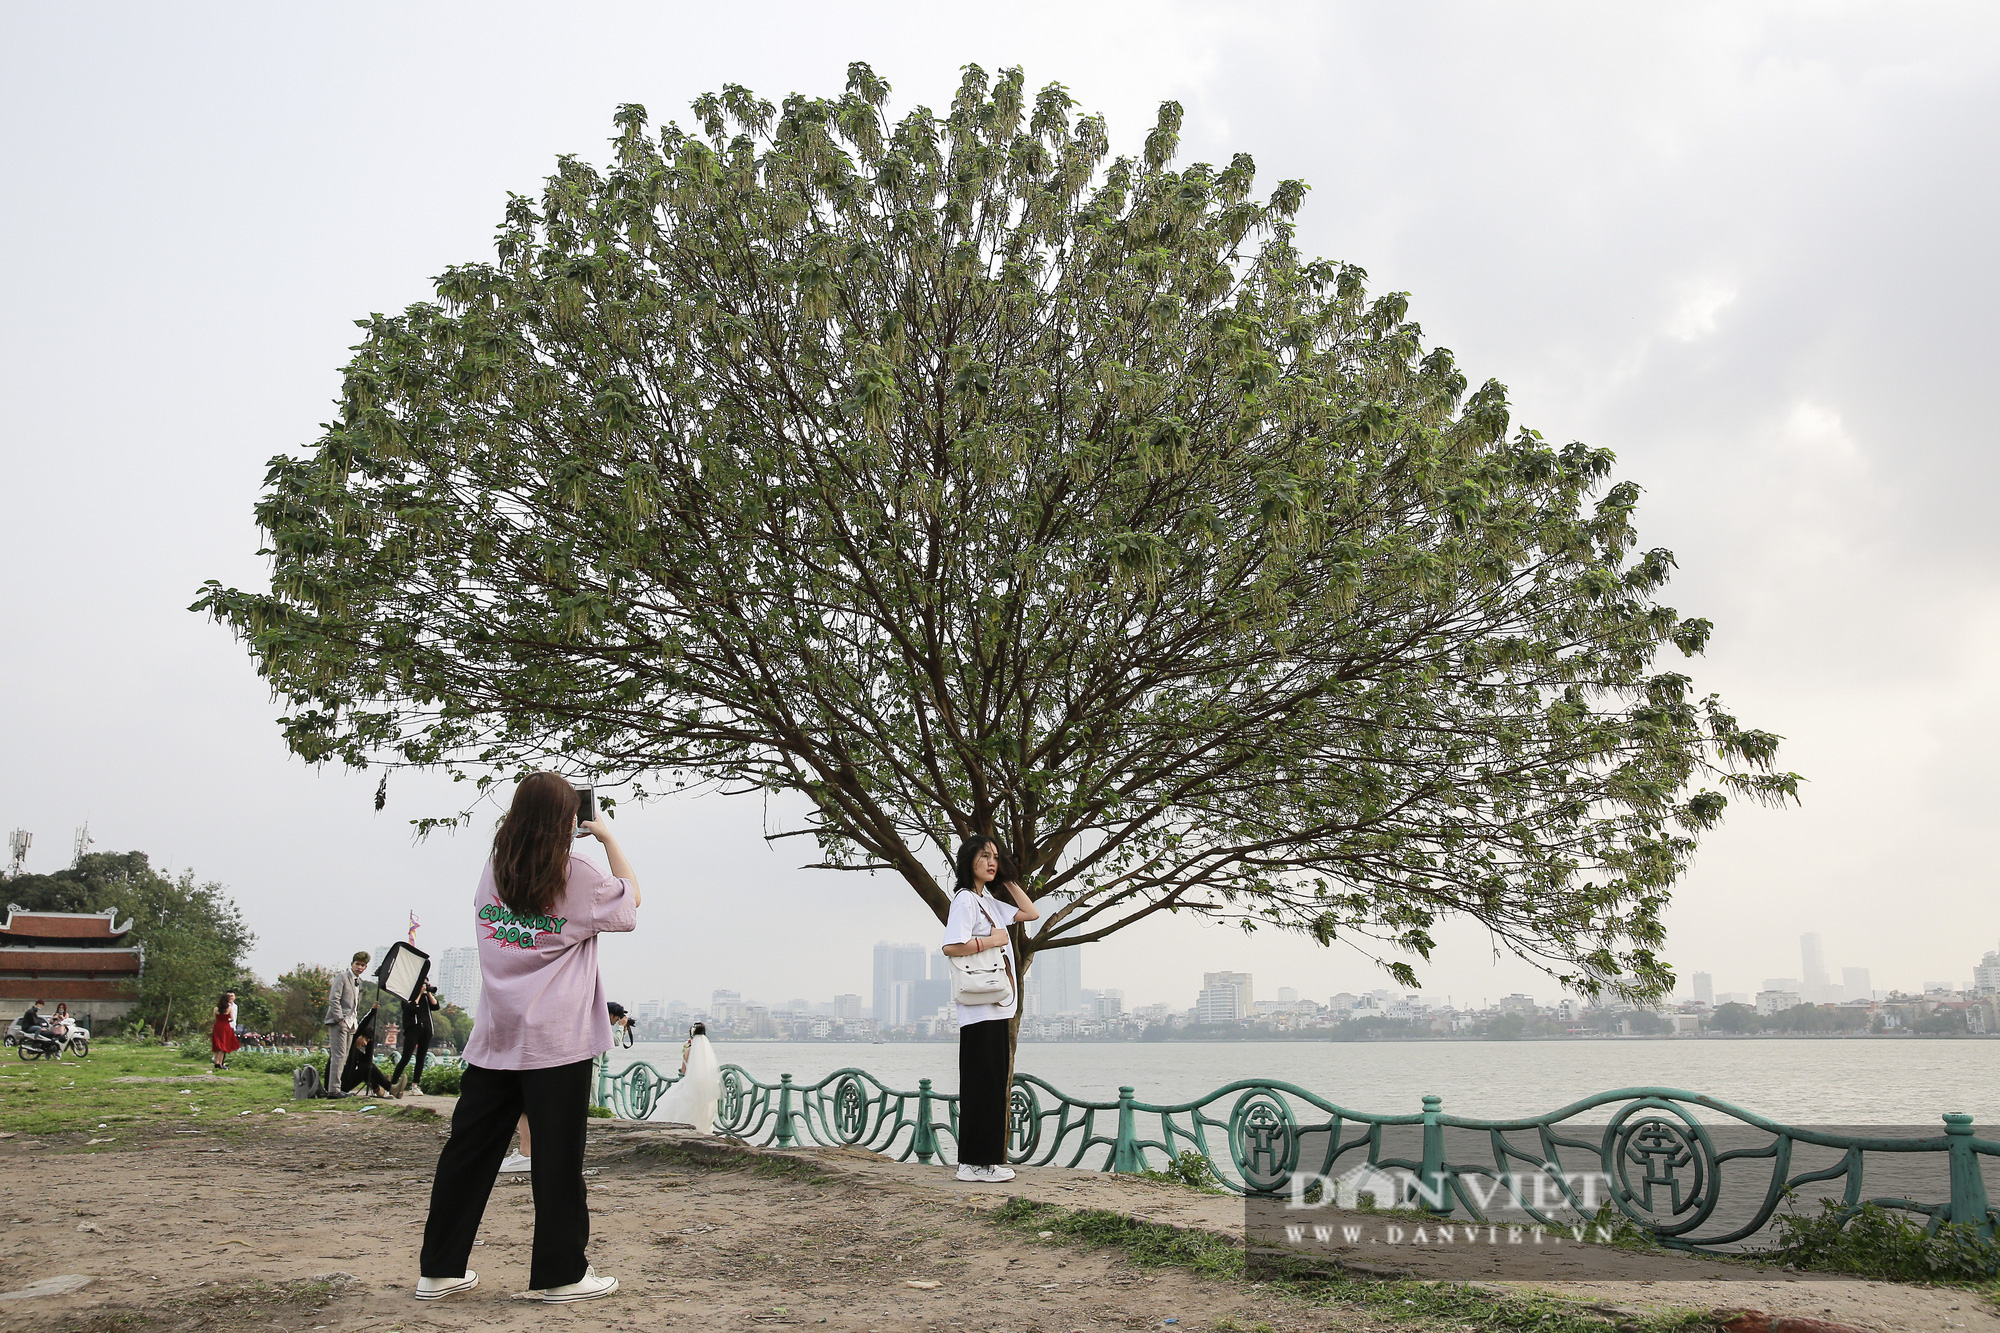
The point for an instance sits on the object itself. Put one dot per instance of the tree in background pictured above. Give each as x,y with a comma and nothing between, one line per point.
301,1007
1734,1017
961,477
256,1004
451,1026
193,934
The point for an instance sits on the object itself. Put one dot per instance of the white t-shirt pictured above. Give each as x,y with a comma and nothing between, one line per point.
973,915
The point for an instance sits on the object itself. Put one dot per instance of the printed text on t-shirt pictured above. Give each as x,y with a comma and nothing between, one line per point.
510,929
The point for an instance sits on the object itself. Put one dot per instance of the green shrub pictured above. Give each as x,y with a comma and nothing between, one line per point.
601,1112
270,1062
1874,1242
442,1080
1190,1169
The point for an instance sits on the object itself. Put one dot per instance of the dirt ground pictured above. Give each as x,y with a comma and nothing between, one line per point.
311,1221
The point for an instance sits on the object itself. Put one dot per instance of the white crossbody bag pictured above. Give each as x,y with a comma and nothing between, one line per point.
984,977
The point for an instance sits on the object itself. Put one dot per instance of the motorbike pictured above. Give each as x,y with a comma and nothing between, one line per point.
51,1040
39,1044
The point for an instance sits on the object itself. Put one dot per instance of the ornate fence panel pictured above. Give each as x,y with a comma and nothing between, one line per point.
1693,1171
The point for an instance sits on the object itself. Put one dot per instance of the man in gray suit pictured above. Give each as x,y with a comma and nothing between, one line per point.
343,1007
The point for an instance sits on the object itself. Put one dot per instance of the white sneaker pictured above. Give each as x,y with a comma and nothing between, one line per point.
996,1174
592,1283
975,1174
434,1288
516,1164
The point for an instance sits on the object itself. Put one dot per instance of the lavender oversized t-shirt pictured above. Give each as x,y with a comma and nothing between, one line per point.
543,1002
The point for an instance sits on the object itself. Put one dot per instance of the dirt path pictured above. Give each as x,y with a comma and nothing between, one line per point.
311,1221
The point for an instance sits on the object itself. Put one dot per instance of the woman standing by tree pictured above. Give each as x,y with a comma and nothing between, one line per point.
978,923
542,1024
222,1038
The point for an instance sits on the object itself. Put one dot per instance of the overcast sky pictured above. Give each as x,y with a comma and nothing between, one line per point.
1748,247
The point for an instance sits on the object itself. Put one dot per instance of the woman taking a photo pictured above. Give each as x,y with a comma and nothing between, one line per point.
978,922
542,1024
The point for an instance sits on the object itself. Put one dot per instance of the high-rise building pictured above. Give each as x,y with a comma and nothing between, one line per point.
894,963
1055,983
457,973
1812,959
927,997
1224,998
1703,986
1986,977
1854,984
1288,995
1774,1001
1238,979
847,1008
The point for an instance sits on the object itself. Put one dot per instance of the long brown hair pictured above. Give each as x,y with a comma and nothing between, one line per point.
532,845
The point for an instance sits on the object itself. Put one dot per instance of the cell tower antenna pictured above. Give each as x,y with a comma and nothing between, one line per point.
18,843
83,844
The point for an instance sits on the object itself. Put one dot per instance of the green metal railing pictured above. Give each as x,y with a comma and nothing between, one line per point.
1654,1160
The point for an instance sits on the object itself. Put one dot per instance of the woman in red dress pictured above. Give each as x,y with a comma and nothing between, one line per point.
222,1038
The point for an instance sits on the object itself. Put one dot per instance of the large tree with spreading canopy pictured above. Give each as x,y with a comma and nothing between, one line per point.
958,476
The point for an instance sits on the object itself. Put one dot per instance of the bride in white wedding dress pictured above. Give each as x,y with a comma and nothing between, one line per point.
692,1100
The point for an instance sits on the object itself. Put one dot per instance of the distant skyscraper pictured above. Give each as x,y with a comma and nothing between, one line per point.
1224,998
1986,977
1238,979
457,973
846,1007
1854,984
1055,982
894,963
1704,988
1812,959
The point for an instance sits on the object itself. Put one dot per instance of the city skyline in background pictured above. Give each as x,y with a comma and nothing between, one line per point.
908,979
911,984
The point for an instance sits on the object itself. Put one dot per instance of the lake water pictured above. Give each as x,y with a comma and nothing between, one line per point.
1905,1082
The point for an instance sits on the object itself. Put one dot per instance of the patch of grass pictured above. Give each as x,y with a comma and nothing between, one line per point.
412,1113
315,1291
84,1095
1623,1232
1152,1244
1147,1244
1873,1241
599,1113
771,1165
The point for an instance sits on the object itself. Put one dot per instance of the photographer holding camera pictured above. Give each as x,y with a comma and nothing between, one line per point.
542,1023
621,1026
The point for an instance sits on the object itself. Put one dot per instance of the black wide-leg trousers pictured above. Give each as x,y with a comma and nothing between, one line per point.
982,1093
490,1103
